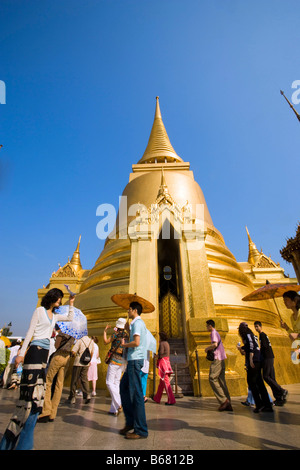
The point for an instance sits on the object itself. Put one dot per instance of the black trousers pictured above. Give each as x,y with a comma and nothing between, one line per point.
257,386
269,378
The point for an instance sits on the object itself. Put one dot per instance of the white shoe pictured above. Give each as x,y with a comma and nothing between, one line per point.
93,394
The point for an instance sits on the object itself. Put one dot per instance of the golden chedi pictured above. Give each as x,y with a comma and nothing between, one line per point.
71,274
165,248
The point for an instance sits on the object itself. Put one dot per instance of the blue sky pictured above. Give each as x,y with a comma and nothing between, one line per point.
81,80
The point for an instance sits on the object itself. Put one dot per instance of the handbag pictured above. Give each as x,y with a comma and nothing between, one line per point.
112,351
108,357
110,354
210,355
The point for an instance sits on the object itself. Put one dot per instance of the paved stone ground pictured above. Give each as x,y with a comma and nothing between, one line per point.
192,424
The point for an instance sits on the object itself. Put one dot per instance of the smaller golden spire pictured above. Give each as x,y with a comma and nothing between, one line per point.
254,254
75,260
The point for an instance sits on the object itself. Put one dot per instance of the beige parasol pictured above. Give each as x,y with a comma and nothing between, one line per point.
124,300
270,291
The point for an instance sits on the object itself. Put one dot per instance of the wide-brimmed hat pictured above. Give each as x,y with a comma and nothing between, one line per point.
121,322
124,301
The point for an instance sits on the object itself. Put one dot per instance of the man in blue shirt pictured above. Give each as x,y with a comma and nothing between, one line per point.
132,396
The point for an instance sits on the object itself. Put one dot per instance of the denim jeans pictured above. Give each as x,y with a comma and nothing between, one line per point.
25,440
132,397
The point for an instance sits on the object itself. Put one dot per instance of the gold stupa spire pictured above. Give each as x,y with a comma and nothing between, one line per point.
254,254
159,148
75,260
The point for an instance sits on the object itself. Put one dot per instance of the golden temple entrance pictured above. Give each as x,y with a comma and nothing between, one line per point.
170,316
170,312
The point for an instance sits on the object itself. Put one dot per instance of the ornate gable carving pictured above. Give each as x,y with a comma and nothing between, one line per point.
66,271
265,262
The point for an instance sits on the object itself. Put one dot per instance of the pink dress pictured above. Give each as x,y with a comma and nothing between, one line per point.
93,369
164,367
164,372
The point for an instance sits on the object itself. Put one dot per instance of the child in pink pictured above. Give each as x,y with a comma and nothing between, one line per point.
164,371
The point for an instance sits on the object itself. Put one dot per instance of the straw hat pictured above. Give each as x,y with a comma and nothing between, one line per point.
124,301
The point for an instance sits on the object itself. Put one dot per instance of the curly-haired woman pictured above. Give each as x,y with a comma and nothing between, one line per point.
34,355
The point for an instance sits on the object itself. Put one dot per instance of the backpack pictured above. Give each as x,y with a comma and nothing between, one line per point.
86,356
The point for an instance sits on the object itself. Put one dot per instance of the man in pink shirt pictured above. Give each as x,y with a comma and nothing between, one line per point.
217,368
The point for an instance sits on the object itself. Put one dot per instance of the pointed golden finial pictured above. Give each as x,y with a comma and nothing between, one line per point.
163,189
297,114
162,181
254,254
159,148
157,109
75,260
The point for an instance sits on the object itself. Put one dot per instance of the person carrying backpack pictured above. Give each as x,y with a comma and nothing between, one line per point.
82,351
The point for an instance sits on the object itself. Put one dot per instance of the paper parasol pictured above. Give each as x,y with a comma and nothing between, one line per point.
124,300
77,327
270,291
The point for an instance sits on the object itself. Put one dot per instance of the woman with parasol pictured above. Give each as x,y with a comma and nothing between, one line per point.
68,333
292,301
20,431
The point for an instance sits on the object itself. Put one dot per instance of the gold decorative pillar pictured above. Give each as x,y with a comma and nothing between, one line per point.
143,268
198,299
